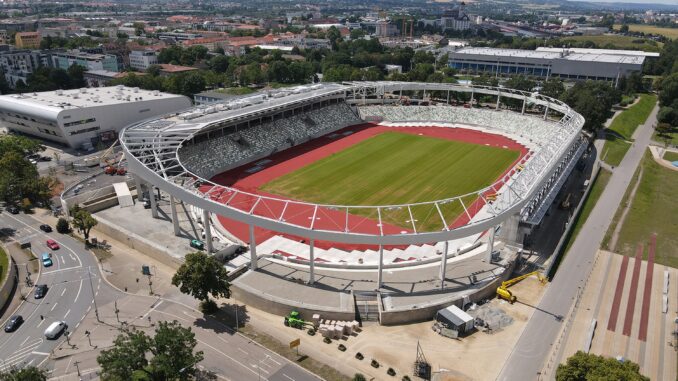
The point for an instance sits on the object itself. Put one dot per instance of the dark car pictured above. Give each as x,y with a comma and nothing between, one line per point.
13,323
46,228
13,209
40,291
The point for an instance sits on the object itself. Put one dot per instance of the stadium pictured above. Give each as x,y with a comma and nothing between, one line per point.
381,200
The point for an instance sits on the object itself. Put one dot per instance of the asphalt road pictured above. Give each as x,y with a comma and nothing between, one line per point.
530,352
69,295
69,298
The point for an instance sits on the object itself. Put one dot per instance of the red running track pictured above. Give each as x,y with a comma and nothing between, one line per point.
633,291
614,313
647,291
327,219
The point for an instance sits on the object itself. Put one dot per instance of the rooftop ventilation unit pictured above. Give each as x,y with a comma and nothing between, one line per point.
59,92
156,92
136,89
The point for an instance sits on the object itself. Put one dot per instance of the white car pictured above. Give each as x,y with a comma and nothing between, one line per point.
55,329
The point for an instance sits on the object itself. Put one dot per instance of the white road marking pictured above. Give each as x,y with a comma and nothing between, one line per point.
78,294
54,306
41,321
40,353
72,256
227,356
63,262
152,309
60,270
30,362
63,292
288,377
243,351
67,312
270,358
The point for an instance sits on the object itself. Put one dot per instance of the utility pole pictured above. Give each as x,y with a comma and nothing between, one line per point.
96,310
117,311
77,367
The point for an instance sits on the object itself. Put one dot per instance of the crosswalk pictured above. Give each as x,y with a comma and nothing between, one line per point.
19,357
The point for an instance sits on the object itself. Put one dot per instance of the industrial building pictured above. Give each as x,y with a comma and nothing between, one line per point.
90,61
83,118
141,59
569,64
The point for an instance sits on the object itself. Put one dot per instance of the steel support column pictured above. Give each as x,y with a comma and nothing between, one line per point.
524,103
253,249
546,112
175,220
208,229
311,258
498,99
154,202
381,267
490,244
443,265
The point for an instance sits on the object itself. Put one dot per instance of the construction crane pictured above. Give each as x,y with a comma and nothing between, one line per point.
503,291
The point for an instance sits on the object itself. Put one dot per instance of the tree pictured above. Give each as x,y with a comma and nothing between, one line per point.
593,100
28,373
624,28
172,349
585,366
76,73
193,83
63,226
166,356
359,377
127,355
333,35
201,275
668,90
19,179
219,63
83,220
553,87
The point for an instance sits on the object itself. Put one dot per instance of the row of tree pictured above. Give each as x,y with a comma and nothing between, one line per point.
20,183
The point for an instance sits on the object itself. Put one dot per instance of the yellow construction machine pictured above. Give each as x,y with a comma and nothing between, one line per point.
503,291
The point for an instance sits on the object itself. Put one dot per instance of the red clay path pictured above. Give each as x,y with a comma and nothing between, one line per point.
329,219
614,313
647,291
633,292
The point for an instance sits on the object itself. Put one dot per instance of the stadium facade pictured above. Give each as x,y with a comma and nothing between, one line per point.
569,64
183,152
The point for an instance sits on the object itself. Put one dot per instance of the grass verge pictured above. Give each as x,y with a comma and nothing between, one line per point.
653,210
614,149
620,42
627,121
671,156
597,188
605,244
4,264
671,33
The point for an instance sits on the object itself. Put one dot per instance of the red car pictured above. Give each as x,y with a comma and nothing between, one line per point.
52,244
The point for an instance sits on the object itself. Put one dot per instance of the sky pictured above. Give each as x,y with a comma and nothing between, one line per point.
669,2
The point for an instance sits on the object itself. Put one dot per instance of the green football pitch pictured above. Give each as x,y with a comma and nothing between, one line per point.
397,168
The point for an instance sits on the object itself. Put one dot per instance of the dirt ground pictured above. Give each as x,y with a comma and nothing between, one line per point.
479,356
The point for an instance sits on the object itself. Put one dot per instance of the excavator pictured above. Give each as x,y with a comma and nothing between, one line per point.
503,291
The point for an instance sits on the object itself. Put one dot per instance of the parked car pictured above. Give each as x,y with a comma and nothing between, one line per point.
197,244
13,209
54,330
13,323
46,228
52,244
40,291
47,259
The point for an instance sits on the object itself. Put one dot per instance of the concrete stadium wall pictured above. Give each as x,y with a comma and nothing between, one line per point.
137,242
416,315
282,307
9,282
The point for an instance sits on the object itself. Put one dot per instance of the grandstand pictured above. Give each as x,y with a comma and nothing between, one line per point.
218,158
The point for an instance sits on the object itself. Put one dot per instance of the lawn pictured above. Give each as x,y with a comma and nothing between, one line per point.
653,210
621,42
395,168
671,33
614,150
4,264
627,122
671,156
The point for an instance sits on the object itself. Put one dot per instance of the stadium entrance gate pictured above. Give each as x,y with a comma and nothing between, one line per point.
366,305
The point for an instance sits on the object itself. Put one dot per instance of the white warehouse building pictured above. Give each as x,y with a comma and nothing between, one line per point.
82,118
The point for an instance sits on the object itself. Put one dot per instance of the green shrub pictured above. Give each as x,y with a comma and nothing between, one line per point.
62,226
208,306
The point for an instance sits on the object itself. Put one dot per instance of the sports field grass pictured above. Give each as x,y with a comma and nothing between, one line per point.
653,210
396,168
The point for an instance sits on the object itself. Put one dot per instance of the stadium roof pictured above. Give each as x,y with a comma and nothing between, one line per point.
601,51
85,97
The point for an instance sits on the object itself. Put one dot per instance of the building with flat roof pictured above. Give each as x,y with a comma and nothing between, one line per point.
27,40
82,118
141,59
90,61
569,64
